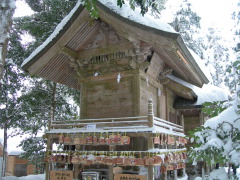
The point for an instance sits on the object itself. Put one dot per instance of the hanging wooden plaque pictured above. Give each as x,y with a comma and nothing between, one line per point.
129,176
56,175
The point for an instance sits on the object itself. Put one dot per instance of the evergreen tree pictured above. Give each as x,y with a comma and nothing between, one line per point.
34,151
9,94
187,23
27,103
217,56
211,47
7,8
218,141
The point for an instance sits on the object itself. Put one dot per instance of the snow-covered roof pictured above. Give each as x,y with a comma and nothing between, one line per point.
128,13
36,63
125,11
53,35
208,93
15,153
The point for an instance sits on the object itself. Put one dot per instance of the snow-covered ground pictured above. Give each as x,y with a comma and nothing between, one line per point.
219,174
30,177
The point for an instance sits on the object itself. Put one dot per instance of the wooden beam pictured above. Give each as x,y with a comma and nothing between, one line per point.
70,53
88,53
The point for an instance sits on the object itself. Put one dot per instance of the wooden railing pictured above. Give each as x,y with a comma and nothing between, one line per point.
141,121
101,122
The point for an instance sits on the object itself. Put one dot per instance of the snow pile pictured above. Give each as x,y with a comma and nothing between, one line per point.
219,174
29,177
185,177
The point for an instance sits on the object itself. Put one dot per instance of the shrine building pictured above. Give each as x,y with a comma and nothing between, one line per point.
140,88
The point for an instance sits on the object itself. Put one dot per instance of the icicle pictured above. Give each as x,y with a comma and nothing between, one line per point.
147,81
159,92
118,77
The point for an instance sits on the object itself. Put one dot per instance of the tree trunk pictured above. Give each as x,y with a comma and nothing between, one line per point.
53,105
6,14
4,165
52,113
5,121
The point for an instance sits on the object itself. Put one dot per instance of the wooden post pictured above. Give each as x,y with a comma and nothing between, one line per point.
165,175
110,167
150,113
201,118
184,171
49,147
182,121
175,174
150,168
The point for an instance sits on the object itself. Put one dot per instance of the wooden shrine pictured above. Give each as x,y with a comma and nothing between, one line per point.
129,128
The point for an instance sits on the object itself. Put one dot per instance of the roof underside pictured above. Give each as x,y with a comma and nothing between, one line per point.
79,39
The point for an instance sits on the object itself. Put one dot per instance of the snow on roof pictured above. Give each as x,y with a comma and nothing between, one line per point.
125,11
53,35
201,65
136,16
208,93
15,153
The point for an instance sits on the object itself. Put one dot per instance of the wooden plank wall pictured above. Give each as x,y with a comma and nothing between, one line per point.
147,91
109,98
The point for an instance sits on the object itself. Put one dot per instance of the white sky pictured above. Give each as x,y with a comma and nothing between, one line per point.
22,9
215,13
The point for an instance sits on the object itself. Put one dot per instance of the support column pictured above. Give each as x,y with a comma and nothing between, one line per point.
49,148
76,166
150,168
110,167
182,121
201,118
175,174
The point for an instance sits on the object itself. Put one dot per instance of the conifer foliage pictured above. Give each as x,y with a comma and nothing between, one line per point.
218,141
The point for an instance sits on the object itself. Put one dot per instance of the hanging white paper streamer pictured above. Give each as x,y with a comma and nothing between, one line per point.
159,92
118,77
147,81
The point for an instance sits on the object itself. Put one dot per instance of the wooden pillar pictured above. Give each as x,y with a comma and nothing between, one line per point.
201,118
175,174
150,168
203,172
166,104
165,176
136,94
110,167
182,121
150,113
49,147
